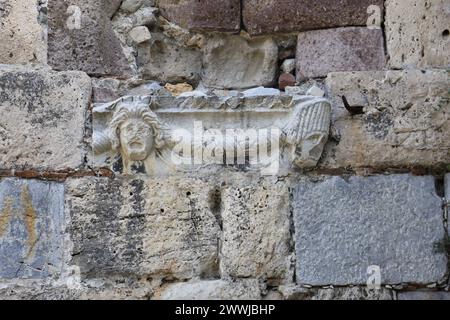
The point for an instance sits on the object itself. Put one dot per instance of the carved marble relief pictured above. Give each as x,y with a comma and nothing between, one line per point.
159,135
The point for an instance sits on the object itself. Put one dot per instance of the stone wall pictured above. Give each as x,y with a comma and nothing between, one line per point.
359,90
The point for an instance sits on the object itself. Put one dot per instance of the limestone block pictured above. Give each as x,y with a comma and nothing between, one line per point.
344,49
245,289
21,36
157,228
166,60
256,236
406,121
270,16
235,62
43,116
211,15
80,37
31,229
344,226
423,295
417,33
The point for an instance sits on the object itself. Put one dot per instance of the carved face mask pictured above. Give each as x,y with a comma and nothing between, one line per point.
310,150
136,139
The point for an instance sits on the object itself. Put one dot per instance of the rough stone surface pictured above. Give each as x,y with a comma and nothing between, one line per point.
234,62
288,65
211,15
344,226
80,37
140,34
447,186
272,16
406,121
286,80
256,236
423,295
417,33
39,291
354,293
31,229
168,61
245,289
142,227
344,49
43,115
21,36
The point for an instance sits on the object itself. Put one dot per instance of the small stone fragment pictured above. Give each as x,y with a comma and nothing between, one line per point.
285,80
177,89
315,91
140,34
288,66
131,5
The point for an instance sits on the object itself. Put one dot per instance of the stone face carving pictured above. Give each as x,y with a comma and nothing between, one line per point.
159,135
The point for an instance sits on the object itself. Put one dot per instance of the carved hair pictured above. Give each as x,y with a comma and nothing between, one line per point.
308,118
125,112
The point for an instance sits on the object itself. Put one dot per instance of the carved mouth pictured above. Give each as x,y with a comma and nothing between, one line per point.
135,145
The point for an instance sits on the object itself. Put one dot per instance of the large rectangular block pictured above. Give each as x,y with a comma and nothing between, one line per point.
417,33
344,49
80,37
21,35
256,231
234,62
343,226
211,15
406,120
31,229
270,16
43,118
126,227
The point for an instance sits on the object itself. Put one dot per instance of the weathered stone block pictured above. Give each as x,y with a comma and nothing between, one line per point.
344,226
21,35
245,289
423,295
417,33
43,116
165,59
406,121
211,15
80,37
235,62
269,16
31,229
142,227
256,236
344,49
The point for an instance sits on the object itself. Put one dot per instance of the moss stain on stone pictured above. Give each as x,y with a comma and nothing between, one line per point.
30,220
5,216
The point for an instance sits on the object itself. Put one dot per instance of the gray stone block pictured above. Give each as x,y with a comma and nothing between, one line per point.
81,37
423,295
344,226
274,16
211,15
343,49
31,229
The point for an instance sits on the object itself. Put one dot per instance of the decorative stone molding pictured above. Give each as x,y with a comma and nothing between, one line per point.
159,135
